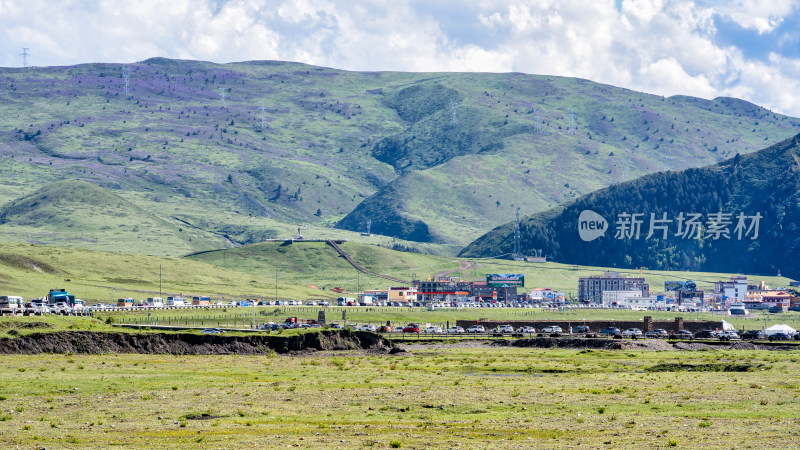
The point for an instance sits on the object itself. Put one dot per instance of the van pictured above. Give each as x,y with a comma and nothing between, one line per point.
11,304
155,302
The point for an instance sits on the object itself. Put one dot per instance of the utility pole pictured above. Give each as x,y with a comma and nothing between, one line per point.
276,284
24,55
159,282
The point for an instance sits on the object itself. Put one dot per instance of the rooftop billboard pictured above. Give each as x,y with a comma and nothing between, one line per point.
505,280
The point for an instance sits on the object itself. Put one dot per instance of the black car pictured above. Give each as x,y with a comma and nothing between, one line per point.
581,329
705,334
779,337
752,335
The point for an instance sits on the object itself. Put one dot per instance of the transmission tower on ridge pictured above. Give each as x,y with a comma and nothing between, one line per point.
453,118
222,95
537,122
24,55
126,76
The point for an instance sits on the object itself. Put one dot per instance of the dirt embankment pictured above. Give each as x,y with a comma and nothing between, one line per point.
88,342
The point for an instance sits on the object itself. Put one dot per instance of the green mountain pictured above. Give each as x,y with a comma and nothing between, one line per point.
249,150
77,212
739,215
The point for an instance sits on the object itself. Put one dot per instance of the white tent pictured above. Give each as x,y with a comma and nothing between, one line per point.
727,326
779,329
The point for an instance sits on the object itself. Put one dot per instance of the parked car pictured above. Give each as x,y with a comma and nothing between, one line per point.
580,329
311,303
212,331
609,331
705,334
411,328
476,329
752,335
681,334
505,329
658,333
632,333
455,330
368,327
552,329
433,330
526,330
728,336
779,337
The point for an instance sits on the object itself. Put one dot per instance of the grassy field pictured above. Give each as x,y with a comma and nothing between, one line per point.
433,397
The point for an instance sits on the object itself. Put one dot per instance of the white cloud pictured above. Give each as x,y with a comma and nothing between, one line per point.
760,15
660,46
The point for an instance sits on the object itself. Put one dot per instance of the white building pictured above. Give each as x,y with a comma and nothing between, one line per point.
642,303
618,298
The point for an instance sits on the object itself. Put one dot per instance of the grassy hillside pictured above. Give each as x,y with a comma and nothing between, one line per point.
71,211
760,189
249,149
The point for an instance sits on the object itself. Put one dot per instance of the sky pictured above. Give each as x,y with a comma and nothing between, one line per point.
748,49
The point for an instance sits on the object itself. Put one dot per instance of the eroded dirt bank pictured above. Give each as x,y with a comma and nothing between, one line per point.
88,342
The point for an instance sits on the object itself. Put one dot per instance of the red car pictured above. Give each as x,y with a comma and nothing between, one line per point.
411,328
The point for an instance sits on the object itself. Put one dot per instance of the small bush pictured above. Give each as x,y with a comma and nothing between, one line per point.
395,444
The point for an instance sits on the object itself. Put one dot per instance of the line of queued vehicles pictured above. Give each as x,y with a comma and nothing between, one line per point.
584,330
57,301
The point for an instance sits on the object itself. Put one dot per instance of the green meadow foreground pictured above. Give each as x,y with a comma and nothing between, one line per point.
435,396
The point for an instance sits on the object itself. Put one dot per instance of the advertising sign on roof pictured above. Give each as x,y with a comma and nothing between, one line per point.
505,280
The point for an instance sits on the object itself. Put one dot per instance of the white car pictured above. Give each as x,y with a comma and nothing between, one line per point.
505,329
552,329
526,330
455,330
311,303
367,328
476,329
632,333
432,330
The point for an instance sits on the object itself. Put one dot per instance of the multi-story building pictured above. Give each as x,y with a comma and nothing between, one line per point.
590,289
733,290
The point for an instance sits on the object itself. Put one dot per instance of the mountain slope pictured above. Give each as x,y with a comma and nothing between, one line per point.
74,210
758,195
434,157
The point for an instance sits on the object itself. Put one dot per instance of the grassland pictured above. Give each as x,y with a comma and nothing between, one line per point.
433,397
